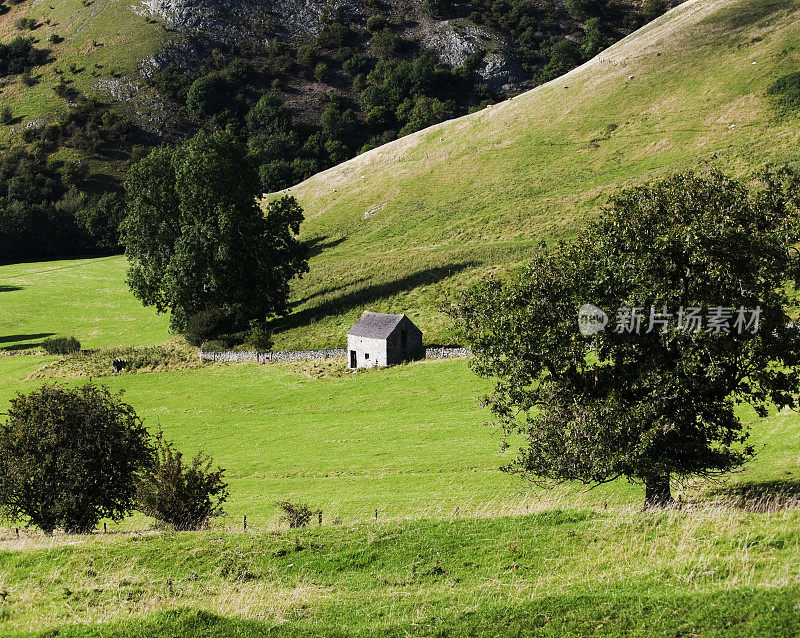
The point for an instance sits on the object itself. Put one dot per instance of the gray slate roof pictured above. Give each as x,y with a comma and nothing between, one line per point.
375,325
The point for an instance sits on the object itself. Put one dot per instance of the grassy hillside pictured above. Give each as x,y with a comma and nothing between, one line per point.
692,573
458,547
86,298
409,441
399,226
102,40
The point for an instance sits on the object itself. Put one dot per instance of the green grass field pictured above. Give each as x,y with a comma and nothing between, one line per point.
87,298
458,548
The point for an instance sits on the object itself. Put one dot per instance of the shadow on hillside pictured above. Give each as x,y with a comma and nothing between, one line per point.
362,298
317,246
10,288
14,339
327,291
767,496
30,337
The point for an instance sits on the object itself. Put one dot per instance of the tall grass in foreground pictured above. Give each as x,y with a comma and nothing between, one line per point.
387,575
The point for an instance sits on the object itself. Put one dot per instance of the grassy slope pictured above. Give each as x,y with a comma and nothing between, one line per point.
101,38
86,298
708,572
476,192
407,441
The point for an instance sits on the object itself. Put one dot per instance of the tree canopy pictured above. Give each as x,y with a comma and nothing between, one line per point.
683,287
197,240
70,456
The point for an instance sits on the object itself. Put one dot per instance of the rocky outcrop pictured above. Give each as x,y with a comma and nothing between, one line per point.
244,21
500,71
453,41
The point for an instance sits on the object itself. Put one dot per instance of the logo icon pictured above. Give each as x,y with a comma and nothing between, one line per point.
591,320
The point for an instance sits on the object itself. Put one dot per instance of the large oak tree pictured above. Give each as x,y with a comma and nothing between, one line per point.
660,402
197,240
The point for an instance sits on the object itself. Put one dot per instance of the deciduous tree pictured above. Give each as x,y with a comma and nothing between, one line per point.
660,403
196,238
69,457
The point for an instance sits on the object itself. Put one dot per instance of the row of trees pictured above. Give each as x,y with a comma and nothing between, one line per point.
70,457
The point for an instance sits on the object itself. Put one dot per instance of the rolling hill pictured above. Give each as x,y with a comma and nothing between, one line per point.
398,227
401,226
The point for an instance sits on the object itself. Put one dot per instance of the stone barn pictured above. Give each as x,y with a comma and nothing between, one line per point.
379,339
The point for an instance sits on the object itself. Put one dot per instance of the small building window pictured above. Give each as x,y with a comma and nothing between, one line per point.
366,355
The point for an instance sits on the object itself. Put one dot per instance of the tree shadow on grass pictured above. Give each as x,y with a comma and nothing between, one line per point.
360,299
319,244
763,497
10,288
15,339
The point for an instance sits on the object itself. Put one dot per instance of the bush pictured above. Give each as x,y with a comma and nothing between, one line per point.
183,496
652,9
321,72
259,338
25,24
215,345
377,23
296,514
61,345
207,95
69,457
209,324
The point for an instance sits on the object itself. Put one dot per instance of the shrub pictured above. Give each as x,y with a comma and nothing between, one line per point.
207,95
69,457
183,496
61,345
385,43
215,345
377,23
259,338
651,9
307,56
321,72
25,24
209,324
296,514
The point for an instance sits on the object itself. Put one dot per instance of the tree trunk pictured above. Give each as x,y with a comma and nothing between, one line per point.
657,492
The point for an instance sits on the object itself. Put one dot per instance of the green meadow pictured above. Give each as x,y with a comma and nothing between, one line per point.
87,298
457,547
422,534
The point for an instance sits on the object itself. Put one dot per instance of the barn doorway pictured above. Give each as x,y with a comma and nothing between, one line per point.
353,359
